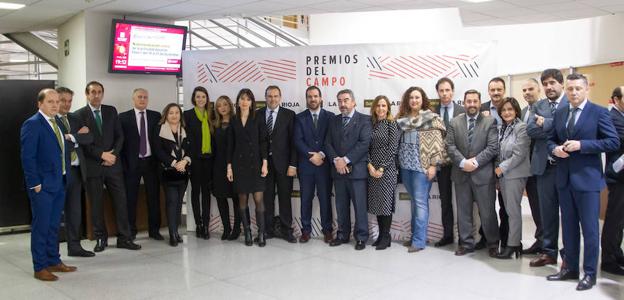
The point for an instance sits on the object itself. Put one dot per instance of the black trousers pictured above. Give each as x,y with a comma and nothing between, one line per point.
174,194
445,186
284,186
73,210
113,178
531,190
224,212
148,170
611,240
503,228
201,179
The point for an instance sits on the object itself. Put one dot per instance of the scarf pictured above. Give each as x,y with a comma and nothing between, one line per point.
203,117
506,130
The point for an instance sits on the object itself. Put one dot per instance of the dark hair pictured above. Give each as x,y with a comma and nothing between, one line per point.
514,104
577,76
346,91
554,73
165,112
472,91
443,80
42,94
497,79
272,87
93,83
64,90
405,108
374,106
248,93
313,87
617,93
203,90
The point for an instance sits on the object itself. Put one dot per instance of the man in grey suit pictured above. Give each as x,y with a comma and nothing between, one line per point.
472,140
543,164
448,109
346,146
531,93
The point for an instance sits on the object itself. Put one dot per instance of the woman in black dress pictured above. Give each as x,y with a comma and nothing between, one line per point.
222,189
199,130
171,148
247,160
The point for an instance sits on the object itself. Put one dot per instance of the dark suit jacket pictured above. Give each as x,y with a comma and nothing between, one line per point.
111,138
522,115
484,148
281,143
457,109
130,150
583,168
194,134
75,123
41,155
540,135
310,139
351,141
618,122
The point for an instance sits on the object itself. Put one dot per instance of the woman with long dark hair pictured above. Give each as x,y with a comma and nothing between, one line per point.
247,161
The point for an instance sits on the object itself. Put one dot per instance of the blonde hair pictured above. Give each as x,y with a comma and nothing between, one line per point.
389,116
217,116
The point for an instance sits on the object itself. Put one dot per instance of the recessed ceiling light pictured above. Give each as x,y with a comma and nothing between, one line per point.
6,5
477,1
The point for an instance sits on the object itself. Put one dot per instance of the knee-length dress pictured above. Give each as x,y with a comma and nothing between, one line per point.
382,153
247,147
221,187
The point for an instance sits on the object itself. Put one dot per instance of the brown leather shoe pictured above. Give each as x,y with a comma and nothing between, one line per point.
493,252
543,260
62,268
461,251
327,237
45,275
305,237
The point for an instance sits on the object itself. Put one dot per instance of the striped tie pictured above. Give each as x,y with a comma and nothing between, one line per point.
269,123
73,153
471,126
553,107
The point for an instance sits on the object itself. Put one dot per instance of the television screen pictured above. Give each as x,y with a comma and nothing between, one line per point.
146,48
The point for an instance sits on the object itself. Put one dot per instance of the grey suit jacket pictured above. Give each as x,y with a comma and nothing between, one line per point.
484,148
539,158
513,156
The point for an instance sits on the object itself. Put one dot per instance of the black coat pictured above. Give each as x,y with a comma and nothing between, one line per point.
130,150
111,138
222,188
618,122
193,129
75,123
247,147
167,149
281,141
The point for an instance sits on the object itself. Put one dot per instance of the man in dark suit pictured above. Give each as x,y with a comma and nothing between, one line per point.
448,110
496,91
314,171
531,93
582,132
346,147
138,162
611,240
45,163
103,167
472,140
280,124
543,164
77,134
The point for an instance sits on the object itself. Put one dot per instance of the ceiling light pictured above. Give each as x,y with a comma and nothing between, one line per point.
477,1
6,5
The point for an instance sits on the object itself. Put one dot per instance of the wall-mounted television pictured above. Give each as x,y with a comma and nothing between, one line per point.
146,48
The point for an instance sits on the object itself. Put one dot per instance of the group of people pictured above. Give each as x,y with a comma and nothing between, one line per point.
551,148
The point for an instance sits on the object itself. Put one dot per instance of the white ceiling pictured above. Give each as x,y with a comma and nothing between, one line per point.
46,14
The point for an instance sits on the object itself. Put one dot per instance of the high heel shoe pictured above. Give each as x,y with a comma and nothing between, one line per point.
248,238
225,235
509,251
234,234
178,238
261,239
199,231
206,233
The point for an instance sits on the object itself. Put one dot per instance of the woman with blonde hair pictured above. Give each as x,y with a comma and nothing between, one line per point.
421,151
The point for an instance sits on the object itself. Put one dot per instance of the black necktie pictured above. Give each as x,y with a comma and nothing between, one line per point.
446,116
314,119
142,136
471,125
572,120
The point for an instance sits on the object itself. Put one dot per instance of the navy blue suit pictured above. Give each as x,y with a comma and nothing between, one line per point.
580,179
351,141
41,157
544,170
312,139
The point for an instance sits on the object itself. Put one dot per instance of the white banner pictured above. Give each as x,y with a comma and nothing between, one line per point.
369,70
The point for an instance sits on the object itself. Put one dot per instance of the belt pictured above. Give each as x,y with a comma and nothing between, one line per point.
145,158
552,163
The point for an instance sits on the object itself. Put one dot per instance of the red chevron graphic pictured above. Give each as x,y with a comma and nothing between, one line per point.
423,66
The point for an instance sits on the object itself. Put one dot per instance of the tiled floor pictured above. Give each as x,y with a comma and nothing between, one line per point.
228,270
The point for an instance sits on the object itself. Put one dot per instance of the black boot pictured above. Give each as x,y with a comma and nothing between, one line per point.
379,231
226,229
260,223
247,230
509,251
206,234
199,230
386,239
237,224
173,241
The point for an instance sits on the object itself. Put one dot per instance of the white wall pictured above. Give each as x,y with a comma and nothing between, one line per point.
521,48
90,34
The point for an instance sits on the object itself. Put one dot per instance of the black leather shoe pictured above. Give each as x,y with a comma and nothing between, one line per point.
481,244
199,231
612,268
234,234
100,245
225,235
178,238
443,242
173,241
620,261
534,249
586,283
156,236
564,274
360,245
493,252
81,253
130,245
206,233
510,251
261,240
290,238
248,239
337,242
